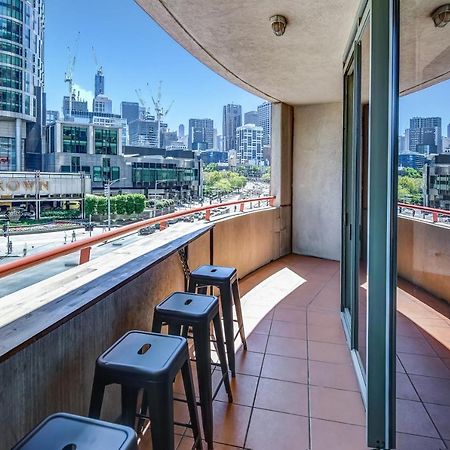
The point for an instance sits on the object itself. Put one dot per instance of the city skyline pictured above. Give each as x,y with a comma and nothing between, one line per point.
201,95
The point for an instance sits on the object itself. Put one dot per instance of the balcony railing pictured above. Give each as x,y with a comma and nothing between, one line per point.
84,246
432,214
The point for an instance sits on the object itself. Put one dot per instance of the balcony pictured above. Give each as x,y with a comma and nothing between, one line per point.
296,385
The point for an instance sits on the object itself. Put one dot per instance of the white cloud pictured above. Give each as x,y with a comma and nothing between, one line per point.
83,93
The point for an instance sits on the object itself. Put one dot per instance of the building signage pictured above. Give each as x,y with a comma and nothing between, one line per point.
46,184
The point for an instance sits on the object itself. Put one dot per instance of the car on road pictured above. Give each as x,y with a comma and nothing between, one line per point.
147,230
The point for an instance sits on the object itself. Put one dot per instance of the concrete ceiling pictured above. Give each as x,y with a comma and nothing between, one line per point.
234,38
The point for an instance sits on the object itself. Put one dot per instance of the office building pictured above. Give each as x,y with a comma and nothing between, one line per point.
102,104
201,134
99,83
413,160
251,117
51,116
22,102
130,111
92,149
265,121
249,146
181,131
143,132
425,135
437,182
168,137
232,119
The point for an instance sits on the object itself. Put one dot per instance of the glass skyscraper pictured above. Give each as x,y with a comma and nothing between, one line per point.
22,103
232,119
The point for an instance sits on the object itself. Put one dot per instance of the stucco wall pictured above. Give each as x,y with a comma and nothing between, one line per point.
424,255
317,175
54,373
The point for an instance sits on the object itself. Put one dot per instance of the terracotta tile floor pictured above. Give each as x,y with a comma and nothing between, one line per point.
296,389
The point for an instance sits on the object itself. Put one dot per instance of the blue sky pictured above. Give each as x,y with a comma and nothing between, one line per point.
431,102
133,51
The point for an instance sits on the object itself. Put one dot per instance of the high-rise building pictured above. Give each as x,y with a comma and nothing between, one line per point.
143,132
102,104
265,121
130,111
201,134
99,82
249,144
22,101
448,130
232,119
425,135
181,131
168,138
251,117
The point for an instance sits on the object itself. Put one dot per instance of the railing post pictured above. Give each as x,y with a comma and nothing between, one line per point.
85,255
162,225
241,208
208,215
271,201
435,216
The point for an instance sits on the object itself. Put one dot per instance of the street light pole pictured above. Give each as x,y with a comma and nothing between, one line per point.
108,196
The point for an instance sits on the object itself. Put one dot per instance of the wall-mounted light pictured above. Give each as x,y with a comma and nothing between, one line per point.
278,24
441,16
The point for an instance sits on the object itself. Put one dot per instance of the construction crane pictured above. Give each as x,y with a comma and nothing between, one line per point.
97,65
160,111
68,76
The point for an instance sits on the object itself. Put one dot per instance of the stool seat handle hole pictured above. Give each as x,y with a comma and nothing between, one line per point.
69,447
142,351
188,301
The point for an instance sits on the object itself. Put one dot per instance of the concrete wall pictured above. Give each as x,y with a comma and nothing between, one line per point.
424,255
55,372
281,169
317,175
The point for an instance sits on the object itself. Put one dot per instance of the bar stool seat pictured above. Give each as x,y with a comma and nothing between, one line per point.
214,273
182,311
63,431
147,361
226,280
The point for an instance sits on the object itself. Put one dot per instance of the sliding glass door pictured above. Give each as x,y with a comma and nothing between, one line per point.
368,275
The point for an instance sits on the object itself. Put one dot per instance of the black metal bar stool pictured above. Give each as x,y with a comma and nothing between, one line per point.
148,361
63,431
226,280
182,311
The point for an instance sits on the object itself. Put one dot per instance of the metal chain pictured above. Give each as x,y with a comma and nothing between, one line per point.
184,263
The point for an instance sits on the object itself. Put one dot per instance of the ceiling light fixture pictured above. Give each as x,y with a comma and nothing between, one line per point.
278,24
441,16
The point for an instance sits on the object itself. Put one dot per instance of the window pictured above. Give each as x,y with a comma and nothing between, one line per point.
97,174
7,154
75,164
115,173
10,47
12,8
74,139
10,77
105,141
10,101
10,59
10,30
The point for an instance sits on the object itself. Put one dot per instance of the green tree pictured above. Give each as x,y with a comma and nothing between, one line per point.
129,206
121,204
102,206
266,177
139,203
212,167
90,204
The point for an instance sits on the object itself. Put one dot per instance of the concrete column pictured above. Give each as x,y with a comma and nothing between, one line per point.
281,172
90,139
19,159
